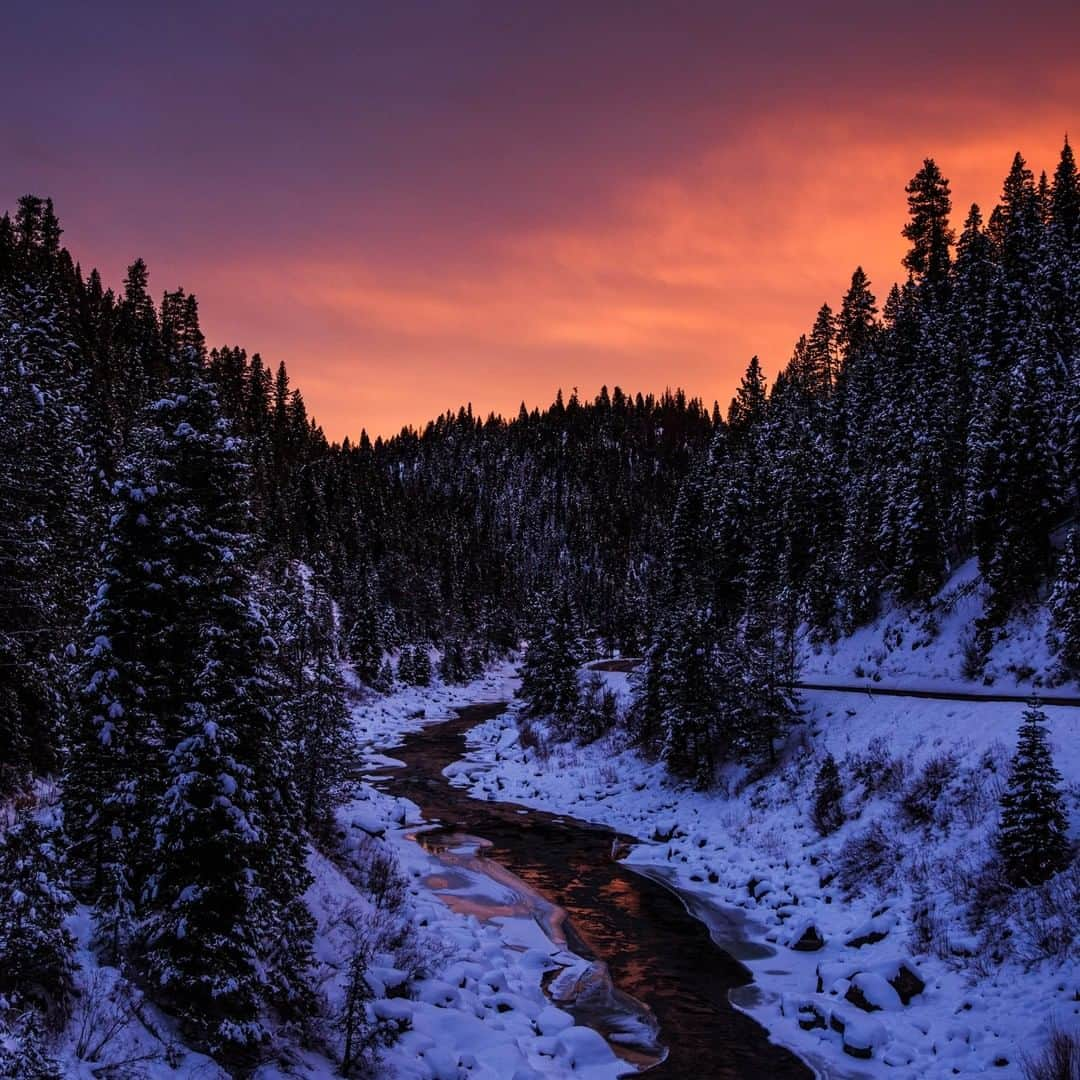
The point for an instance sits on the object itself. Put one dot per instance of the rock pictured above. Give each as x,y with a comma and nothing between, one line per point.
584,1047
663,831
864,1053
870,933
865,939
811,1017
552,1020
906,983
810,940
862,1035
369,823
872,993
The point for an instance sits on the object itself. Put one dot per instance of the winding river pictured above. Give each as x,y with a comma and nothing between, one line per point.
657,986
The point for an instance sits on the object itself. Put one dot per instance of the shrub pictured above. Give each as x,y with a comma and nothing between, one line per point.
107,1007
920,801
1059,1059
868,858
827,812
531,734
595,713
1047,919
363,1035
876,769
374,869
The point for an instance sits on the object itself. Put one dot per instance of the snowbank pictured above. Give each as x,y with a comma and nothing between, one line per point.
865,959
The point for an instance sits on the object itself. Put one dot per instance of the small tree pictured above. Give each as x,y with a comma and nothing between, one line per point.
363,1033
1032,834
385,681
36,950
406,666
421,665
549,679
828,813
597,710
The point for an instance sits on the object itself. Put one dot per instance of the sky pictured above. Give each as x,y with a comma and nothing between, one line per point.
422,205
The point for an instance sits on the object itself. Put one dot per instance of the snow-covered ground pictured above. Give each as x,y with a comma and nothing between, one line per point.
889,894
484,1015
476,1009
926,650
900,975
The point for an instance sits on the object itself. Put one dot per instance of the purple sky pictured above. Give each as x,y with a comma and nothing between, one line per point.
417,205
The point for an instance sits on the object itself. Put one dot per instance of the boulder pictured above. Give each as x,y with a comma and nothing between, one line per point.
871,992
810,940
907,983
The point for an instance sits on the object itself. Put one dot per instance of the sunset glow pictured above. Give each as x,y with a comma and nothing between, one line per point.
490,203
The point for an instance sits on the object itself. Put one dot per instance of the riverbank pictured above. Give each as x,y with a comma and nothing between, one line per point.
481,1009
892,981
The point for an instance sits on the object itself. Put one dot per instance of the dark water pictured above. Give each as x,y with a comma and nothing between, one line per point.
636,929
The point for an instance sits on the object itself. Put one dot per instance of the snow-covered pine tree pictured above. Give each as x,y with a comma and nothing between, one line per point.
453,664
695,710
422,664
406,666
129,678
364,639
549,680
1018,500
37,952
1032,835
318,711
46,517
228,858
384,681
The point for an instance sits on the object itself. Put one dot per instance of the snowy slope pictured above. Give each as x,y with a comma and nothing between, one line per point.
755,850
927,649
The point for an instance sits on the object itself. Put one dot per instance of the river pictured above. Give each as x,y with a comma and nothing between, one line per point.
658,988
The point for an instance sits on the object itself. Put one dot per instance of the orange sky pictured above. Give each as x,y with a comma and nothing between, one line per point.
484,213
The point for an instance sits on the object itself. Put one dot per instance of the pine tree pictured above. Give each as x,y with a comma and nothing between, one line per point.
928,229
364,638
406,669
596,713
384,682
314,692
228,859
549,680
1032,835
37,952
697,703
1017,498
422,665
45,513
856,324
129,679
